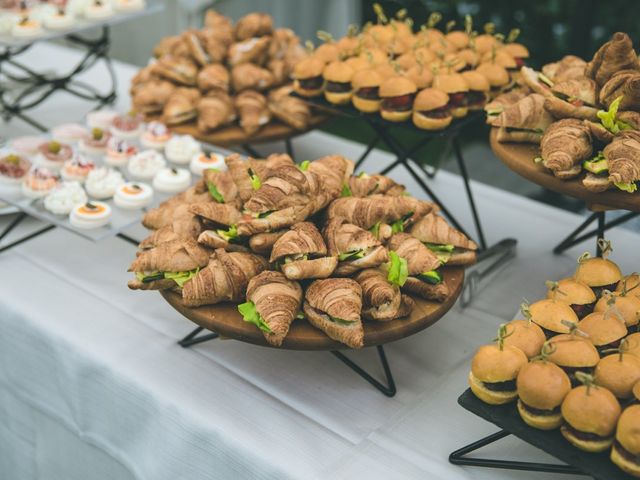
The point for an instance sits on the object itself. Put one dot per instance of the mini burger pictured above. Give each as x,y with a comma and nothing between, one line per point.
366,86
633,346
485,43
494,370
590,414
498,77
420,75
458,39
625,452
375,56
337,76
397,94
357,64
598,273
627,306
518,51
552,315
630,284
577,294
455,86
525,335
479,88
308,80
618,373
327,52
542,386
431,110
573,354
605,329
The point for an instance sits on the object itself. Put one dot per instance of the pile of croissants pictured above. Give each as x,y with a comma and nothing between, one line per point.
224,75
305,240
584,115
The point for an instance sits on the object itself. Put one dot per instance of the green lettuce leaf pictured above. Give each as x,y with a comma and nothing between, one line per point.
432,276
340,321
304,166
436,247
627,187
398,270
251,315
398,225
609,120
346,190
217,196
255,181
230,234
352,255
181,277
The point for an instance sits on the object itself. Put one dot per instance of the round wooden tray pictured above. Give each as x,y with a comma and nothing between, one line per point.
234,135
519,158
225,320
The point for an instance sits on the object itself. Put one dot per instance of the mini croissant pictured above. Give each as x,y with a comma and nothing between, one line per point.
290,110
623,155
152,96
277,300
253,50
366,212
180,107
625,83
565,145
365,185
382,300
615,55
214,111
184,227
253,25
248,76
213,77
224,279
419,258
253,110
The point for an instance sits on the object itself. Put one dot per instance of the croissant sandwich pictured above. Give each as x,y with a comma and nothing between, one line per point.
381,299
334,306
568,68
214,77
625,84
615,55
183,227
573,99
503,101
364,185
290,110
214,111
448,244
180,107
253,111
618,164
253,25
525,121
565,145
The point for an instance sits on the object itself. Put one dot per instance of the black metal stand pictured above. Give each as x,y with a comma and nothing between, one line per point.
577,236
388,390
459,458
30,88
14,223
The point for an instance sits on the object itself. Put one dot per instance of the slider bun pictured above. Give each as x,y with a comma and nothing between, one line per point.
459,112
489,396
541,422
476,81
424,54
458,38
602,328
375,56
339,72
450,83
386,70
421,76
468,56
357,64
618,376
430,99
549,314
525,335
490,364
596,412
484,43
543,385
633,345
502,58
628,306
396,87
366,78
308,68
407,61
338,98
394,116
366,105
307,92
429,123
572,292
628,431
327,52
497,75
632,283
597,272
593,446
516,50
573,351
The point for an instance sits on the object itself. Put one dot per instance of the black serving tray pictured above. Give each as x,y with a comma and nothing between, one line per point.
596,465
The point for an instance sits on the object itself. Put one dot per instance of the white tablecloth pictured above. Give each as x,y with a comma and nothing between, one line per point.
93,385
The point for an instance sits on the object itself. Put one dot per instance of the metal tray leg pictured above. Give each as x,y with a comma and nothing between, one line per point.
459,458
193,338
14,223
388,390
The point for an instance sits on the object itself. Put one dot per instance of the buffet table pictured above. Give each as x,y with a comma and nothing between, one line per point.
93,384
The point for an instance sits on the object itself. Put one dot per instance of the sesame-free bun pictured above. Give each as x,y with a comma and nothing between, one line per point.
571,291
525,335
618,374
594,410
430,99
628,437
484,43
603,328
476,81
598,272
339,72
327,52
516,50
549,314
366,78
628,306
450,83
458,38
397,86
633,347
501,58
497,75
542,385
573,351
308,68
492,365
430,123
632,283
338,98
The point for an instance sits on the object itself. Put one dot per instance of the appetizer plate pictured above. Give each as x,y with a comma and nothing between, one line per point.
225,320
234,135
519,158
595,465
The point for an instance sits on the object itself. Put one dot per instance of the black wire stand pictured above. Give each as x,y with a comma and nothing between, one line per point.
196,337
506,417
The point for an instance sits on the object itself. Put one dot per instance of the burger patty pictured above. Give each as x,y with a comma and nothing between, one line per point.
598,290
626,454
368,93
539,411
586,436
508,386
583,310
475,97
338,87
442,112
312,83
519,62
402,103
457,100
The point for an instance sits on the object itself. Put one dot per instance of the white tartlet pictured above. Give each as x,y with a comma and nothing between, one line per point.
202,161
101,119
62,199
155,136
90,215
133,195
27,145
38,182
103,182
77,169
129,5
59,21
69,132
119,152
27,29
146,164
172,180
98,10
181,149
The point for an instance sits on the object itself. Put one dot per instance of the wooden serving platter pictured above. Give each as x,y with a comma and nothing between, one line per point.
234,135
225,320
519,158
